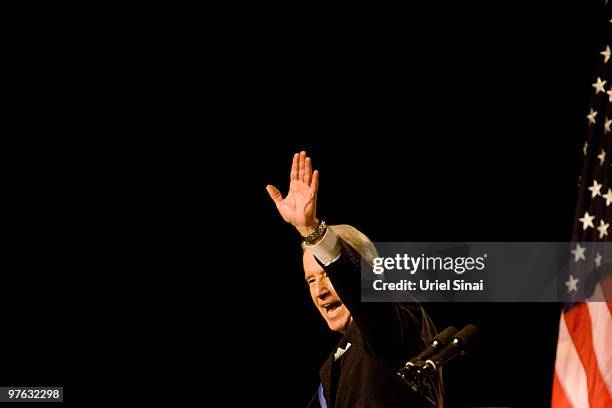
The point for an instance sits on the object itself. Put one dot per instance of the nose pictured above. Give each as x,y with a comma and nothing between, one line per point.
321,289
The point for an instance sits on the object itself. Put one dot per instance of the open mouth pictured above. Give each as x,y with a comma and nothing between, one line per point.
331,309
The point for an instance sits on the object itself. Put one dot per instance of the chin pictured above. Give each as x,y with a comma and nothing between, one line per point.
339,328
339,324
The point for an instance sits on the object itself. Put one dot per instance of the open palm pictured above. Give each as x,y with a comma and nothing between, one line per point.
299,207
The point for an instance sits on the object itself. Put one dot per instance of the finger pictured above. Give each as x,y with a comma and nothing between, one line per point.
275,195
294,167
302,165
308,171
315,183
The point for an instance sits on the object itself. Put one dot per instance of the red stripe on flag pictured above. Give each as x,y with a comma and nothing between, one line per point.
559,399
578,321
569,369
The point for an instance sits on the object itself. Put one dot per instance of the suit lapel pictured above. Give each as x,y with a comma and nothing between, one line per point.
330,372
326,378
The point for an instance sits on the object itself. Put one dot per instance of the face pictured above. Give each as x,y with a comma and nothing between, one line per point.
324,295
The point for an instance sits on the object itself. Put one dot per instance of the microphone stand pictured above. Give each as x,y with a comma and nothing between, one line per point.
420,388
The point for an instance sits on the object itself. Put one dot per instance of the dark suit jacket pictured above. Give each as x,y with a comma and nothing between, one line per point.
382,337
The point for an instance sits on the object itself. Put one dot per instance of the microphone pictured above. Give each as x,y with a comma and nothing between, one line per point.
462,342
443,348
412,370
435,346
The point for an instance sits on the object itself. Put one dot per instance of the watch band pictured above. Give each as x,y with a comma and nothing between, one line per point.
316,234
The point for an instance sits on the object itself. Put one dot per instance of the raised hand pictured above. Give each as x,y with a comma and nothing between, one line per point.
299,207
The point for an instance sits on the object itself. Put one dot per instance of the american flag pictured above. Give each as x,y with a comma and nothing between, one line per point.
583,366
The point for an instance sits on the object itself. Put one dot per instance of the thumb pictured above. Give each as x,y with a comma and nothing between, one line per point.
275,195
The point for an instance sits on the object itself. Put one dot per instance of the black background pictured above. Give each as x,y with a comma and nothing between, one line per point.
438,122
442,123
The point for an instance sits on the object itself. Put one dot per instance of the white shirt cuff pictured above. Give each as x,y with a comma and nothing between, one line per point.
328,249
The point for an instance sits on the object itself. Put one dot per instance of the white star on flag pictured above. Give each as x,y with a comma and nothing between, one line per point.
599,86
606,54
578,253
602,157
585,147
603,229
598,259
608,197
591,116
594,189
609,95
607,124
571,284
587,221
